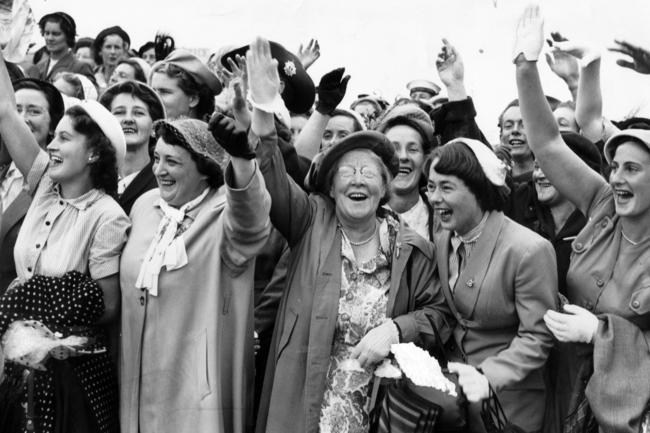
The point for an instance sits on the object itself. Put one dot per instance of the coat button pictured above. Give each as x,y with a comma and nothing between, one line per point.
470,283
345,317
600,282
349,296
47,223
29,269
636,304
579,245
61,202
141,300
38,246
588,305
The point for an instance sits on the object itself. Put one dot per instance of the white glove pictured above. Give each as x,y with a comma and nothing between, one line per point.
579,326
375,345
475,385
529,36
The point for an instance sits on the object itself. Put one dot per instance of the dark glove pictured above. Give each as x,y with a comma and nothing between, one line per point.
233,140
331,91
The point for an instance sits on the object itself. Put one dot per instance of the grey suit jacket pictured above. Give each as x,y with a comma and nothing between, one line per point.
508,283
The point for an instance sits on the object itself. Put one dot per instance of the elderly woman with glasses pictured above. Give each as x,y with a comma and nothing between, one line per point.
359,280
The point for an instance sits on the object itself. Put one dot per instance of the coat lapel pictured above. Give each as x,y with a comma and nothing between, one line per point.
470,280
14,213
139,184
442,257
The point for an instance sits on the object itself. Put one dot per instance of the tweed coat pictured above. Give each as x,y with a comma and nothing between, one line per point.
508,283
302,343
186,360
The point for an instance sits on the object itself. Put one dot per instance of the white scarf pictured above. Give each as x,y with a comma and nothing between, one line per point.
166,249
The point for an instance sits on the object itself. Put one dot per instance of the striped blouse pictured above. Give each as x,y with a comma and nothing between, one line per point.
85,233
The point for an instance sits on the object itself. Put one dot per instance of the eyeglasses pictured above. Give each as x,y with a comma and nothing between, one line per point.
348,172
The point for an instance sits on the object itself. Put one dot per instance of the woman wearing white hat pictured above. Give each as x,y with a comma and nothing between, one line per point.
607,322
74,229
499,279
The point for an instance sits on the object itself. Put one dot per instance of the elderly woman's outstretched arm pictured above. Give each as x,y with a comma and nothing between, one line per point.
566,171
16,136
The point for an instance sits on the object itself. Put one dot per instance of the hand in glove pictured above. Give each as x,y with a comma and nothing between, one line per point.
331,91
375,345
579,326
233,140
262,72
475,385
529,36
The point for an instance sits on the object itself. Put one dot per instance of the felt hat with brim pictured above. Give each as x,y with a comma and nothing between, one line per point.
299,92
409,115
52,94
641,136
374,141
423,85
193,66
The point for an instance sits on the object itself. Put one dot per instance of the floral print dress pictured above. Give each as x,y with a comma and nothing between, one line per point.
362,307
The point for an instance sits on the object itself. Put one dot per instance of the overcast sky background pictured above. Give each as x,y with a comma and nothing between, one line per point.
384,44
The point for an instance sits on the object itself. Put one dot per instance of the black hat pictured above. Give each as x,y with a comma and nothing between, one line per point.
371,140
584,148
299,92
69,29
115,30
52,94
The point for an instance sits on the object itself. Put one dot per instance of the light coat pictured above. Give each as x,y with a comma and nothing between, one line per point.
296,371
186,361
508,283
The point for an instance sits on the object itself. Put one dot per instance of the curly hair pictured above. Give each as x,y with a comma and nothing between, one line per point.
190,87
138,72
103,172
204,165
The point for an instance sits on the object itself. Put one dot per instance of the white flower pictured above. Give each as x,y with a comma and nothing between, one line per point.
289,68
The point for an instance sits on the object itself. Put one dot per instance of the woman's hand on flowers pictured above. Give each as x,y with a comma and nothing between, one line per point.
262,70
529,36
474,384
375,345
578,326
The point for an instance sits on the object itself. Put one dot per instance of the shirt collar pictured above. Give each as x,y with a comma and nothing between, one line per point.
82,202
473,234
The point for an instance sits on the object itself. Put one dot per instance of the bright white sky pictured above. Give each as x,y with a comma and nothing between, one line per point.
385,43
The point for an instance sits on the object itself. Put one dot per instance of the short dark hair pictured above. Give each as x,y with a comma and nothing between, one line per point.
138,71
553,102
146,47
457,159
137,90
103,172
204,165
357,125
190,87
65,21
53,97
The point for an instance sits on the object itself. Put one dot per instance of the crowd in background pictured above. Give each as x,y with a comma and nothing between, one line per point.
218,245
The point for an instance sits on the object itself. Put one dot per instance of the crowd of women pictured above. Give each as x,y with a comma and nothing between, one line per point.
220,246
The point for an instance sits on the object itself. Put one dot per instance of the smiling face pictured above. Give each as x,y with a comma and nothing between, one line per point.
33,107
112,50
121,73
70,158
55,40
546,192
177,103
357,186
410,151
133,115
453,202
178,178
513,136
336,130
630,180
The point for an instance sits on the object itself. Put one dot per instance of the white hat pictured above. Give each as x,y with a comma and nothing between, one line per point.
109,126
495,170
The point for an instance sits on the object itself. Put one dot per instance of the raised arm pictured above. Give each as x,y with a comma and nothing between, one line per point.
16,136
566,171
331,91
564,65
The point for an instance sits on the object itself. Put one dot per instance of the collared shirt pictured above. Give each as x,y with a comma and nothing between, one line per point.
468,241
418,218
60,235
10,186
124,182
